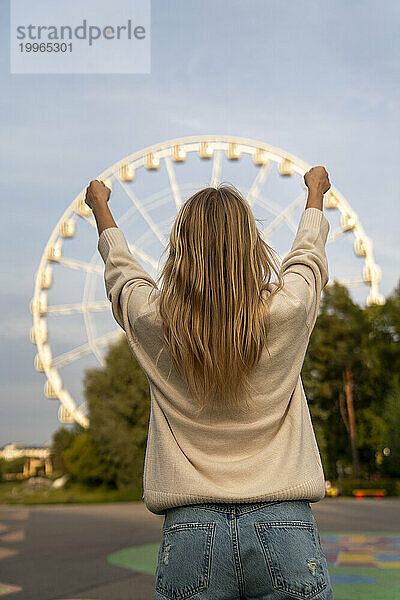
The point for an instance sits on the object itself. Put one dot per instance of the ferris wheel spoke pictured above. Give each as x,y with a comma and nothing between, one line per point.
143,256
79,265
99,270
350,281
76,353
83,407
270,205
337,233
284,215
216,168
258,183
161,198
70,309
90,219
172,180
144,214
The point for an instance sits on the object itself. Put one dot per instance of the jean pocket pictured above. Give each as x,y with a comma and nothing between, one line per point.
184,560
293,556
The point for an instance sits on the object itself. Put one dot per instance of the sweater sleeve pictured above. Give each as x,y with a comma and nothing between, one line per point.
127,284
305,267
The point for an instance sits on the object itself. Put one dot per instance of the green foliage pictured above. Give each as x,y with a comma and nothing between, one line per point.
364,341
118,399
391,462
84,463
112,450
62,439
16,492
335,343
15,465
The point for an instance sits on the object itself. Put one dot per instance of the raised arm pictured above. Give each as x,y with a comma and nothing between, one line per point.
97,196
317,181
305,268
127,284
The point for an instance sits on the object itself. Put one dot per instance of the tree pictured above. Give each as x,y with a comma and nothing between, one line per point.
85,463
336,368
347,376
62,439
384,368
118,399
391,461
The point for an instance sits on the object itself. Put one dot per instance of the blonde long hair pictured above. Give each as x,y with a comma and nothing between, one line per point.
214,319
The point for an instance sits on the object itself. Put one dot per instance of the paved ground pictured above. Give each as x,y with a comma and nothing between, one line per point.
109,551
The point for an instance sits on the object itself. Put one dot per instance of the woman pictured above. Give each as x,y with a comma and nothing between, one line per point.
231,461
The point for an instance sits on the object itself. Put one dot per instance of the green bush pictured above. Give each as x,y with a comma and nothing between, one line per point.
84,463
16,465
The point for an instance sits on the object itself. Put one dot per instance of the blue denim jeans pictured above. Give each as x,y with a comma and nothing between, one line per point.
242,551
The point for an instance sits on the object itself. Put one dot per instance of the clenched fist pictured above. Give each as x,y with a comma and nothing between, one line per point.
97,193
317,180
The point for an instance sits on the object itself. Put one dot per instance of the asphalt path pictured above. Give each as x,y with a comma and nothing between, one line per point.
50,552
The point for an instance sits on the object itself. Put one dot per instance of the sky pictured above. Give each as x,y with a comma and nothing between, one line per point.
318,80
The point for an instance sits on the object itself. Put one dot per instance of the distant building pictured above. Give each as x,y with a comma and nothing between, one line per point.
35,459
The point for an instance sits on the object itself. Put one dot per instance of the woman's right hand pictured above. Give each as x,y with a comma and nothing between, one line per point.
317,180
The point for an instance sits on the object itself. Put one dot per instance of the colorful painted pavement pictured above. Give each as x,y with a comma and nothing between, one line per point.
362,566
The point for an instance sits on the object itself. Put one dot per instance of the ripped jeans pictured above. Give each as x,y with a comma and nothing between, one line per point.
242,551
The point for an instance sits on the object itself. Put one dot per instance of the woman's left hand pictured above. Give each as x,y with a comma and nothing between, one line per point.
97,193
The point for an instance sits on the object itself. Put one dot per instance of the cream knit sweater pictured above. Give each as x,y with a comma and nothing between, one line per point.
271,453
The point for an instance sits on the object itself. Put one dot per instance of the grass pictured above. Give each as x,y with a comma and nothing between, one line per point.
13,492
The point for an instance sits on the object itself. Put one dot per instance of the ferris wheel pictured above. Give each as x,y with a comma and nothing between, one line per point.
148,188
